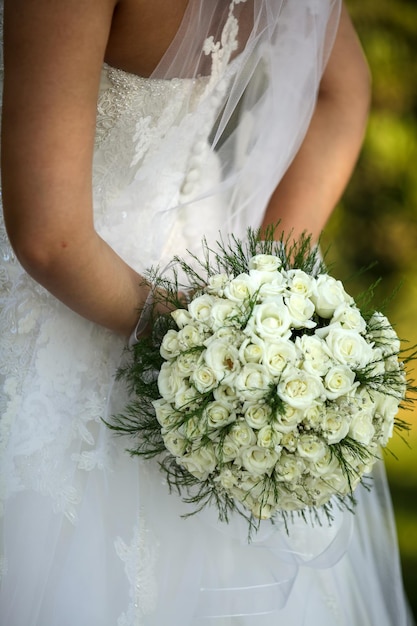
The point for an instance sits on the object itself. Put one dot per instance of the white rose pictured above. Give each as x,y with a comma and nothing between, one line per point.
288,420
223,359
240,288
217,283
262,511
317,491
252,381
385,337
361,427
272,288
187,362
325,466
311,447
227,450
227,479
270,320
185,397
194,428
313,415
339,381
170,347
289,468
289,441
265,263
376,365
190,336
227,333
165,414
349,317
200,308
349,348
330,294
251,350
301,310
268,437
315,353
200,463
257,460
278,355
225,313
386,405
226,395
298,388
290,500
175,443
257,415
335,426
204,378
169,381
242,435
181,317
218,415
301,283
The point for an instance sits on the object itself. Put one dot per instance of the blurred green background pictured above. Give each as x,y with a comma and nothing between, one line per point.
377,220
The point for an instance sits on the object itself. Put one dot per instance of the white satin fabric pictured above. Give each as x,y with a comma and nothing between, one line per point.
91,536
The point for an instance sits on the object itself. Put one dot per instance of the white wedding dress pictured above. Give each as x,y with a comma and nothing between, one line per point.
90,535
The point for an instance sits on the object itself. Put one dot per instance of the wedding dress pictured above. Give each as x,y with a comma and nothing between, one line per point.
90,535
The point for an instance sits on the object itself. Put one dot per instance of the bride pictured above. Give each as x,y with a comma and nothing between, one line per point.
132,129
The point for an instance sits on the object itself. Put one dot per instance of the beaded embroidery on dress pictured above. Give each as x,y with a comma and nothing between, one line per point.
91,536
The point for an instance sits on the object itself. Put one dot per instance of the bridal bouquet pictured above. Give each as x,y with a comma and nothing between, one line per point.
270,391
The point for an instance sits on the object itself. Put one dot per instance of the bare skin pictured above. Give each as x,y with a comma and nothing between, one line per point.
54,52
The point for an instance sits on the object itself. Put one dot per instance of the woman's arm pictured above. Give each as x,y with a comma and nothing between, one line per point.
54,52
316,179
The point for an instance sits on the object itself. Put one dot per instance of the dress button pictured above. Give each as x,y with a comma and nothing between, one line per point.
192,175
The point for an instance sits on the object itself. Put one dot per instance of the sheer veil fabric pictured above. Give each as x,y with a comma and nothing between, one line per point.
91,536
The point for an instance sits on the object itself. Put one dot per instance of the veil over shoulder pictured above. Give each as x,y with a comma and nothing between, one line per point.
89,535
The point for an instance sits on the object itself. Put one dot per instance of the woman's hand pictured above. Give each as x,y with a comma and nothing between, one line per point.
54,53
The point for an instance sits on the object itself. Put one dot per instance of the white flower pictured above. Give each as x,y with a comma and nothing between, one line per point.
289,468
298,388
200,308
330,294
181,317
242,435
361,427
268,437
165,414
269,320
310,447
225,313
335,425
289,441
315,354
190,336
228,449
257,460
257,415
187,362
217,283
194,428
169,381
381,331
339,381
278,355
318,491
301,283
349,348
226,395
218,414
265,262
271,288
200,463
175,443
240,288
251,350
204,378
252,382
262,510
313,415
301,310
170,347
185,397
226,478
327,465
223,359
350,317
286,422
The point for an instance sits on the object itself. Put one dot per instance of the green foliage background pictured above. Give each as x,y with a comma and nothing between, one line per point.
377,219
